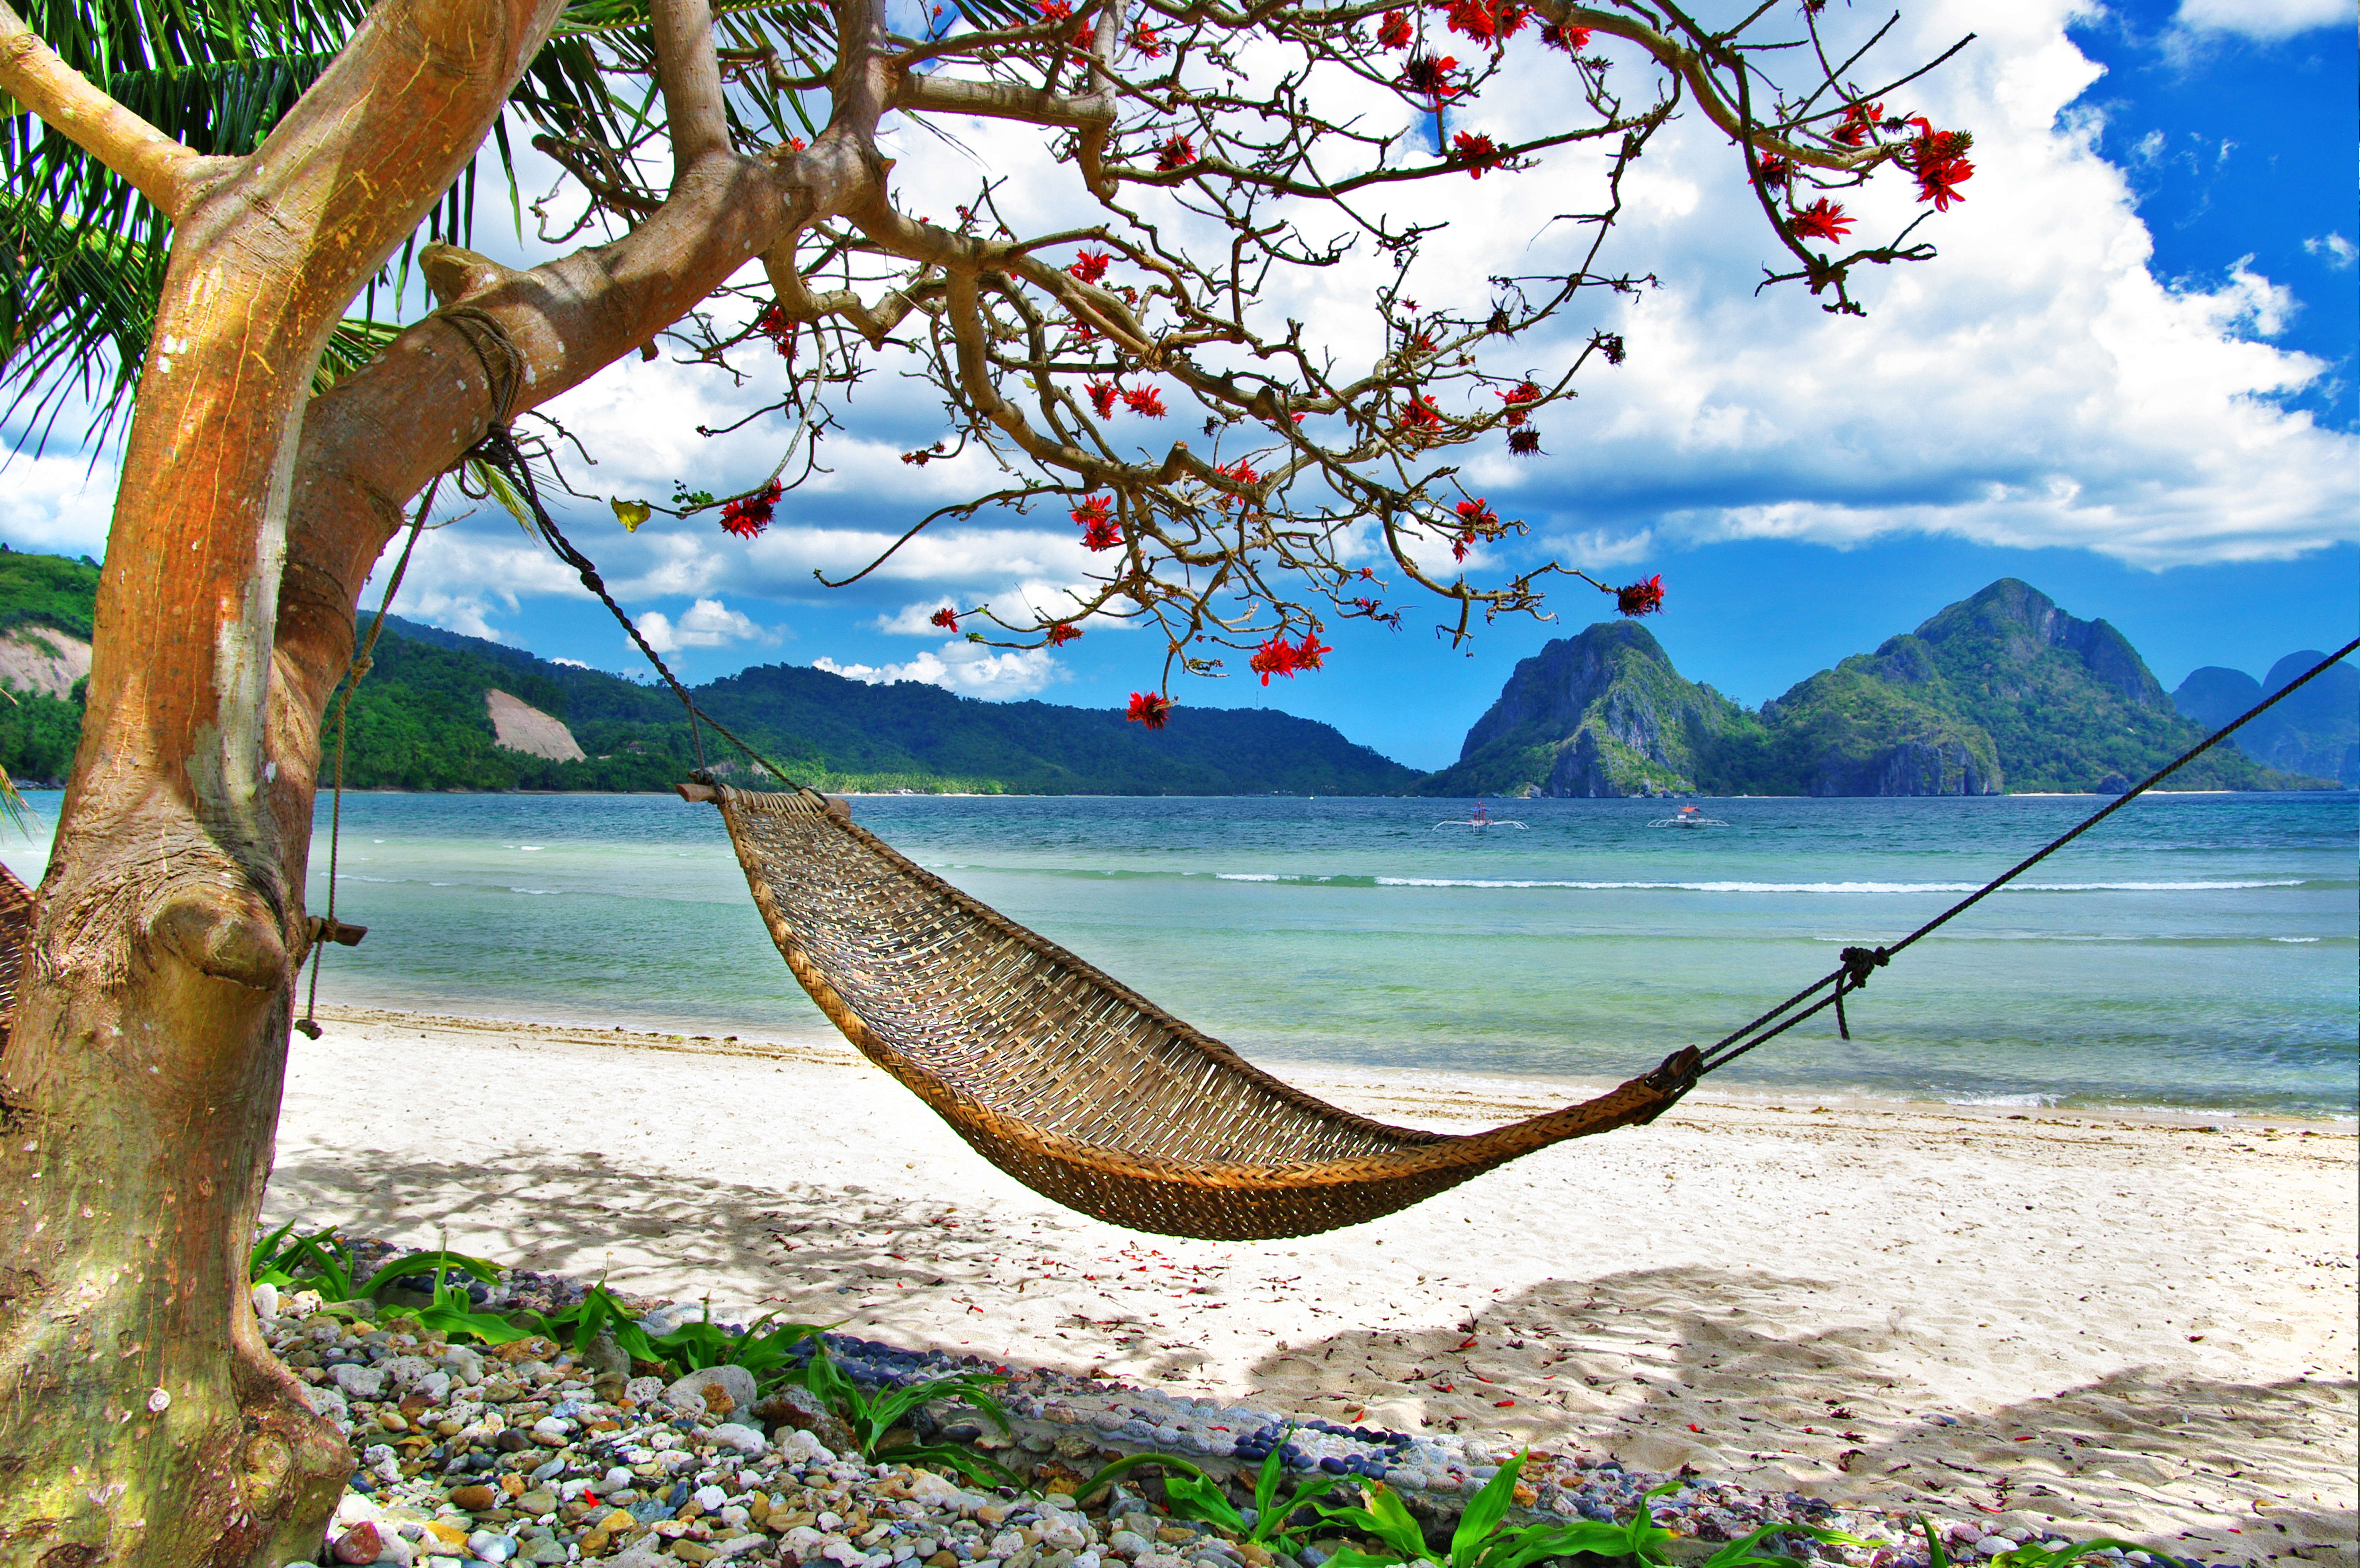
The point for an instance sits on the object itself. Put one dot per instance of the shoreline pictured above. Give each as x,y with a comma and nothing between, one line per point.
2080,1325
1504,1085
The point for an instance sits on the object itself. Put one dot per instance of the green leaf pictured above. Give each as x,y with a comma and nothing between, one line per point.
1195,1497
1484,1513
423,1262
1353,1557
1107,1474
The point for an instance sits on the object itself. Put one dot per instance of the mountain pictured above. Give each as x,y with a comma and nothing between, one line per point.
441,710
2002,690
2317,730
1599,714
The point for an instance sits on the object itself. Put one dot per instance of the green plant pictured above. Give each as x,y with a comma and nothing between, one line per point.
1195,1495
2029,1555
872,1416
1743,1553
322,1263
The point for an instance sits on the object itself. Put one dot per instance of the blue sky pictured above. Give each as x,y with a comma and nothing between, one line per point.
2129,380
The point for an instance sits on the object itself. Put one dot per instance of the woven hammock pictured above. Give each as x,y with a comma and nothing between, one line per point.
1069,1081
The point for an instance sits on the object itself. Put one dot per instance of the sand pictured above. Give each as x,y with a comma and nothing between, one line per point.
2088,1323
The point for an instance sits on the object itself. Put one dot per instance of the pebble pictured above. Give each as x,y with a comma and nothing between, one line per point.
530,1454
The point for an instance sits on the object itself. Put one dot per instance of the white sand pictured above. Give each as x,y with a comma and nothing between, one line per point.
2136,1326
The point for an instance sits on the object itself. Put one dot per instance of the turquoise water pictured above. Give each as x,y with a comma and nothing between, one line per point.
2194,951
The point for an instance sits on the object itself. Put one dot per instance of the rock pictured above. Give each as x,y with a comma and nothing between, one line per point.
640,1391
448,1533
1993,1545
266,1303
543,1552
744,1439
362,1543
465,1364
476,1499
689,1550
327,1402
358,1382
607,1359
1126,1543
709,1498
491,1546
725,1389
552,1427
540,1503
800,1409
738,1545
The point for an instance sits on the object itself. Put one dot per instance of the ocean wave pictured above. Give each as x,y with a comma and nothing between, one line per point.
1874,888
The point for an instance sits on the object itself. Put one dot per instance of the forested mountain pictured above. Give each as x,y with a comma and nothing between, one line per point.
2000,691
2317,730
422,719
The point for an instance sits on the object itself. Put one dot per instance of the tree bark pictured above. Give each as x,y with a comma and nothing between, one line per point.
144,1420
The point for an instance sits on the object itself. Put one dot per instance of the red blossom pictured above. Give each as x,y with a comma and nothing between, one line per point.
1145,41
1775,171
1307,655
1178,152
1641,598
1822,220
1055,10
1089,266
1240,473
1858,121
1063,632
1472,19
1093,518
1479,521
1276,657
1525,442
1428,76
1102,396
1476,151
1393,33
1939,159
946,618
1144,402
774,324
1420,414
1149,709
1516,398
1093,510
1571,39
1102,536
748,515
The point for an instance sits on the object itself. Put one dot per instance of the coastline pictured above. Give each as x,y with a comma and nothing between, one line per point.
2100,1323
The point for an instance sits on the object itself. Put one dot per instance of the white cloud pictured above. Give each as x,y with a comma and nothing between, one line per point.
2263,18
913,620
963,668
705,624
61,504
2338,250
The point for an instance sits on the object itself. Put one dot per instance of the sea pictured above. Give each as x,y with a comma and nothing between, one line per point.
2194,953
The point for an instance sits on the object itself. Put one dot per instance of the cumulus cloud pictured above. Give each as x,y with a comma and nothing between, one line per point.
963,668
59,503
2262,20
708,622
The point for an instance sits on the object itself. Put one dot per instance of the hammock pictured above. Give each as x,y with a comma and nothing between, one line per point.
1071,1082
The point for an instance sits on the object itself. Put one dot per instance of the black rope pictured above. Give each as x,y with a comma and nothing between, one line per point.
1851,974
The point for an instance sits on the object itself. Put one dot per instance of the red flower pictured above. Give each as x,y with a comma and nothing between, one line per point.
1178,152
1569,39
1857,123
1476,151
1822,220
1473,18
1516,398
748,515
1641,598
1428,76
1148,708
946,618
1476,514
1307,655
1063,632
774,324
1420,414
1098,530
1144,402
1102,396
1241,473
1089,266
1054,10
1775,171
1393,33
1276,657
1144,40
1525,442
1939,159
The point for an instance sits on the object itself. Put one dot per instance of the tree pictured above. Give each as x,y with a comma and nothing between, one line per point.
197,197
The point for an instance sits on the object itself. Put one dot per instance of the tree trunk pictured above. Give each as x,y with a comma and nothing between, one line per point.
143,1421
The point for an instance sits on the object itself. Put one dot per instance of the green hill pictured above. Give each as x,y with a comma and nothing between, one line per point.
419,721
2317,730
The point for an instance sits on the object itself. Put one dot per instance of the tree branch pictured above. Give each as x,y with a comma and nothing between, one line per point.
694,115
160,168
1000,101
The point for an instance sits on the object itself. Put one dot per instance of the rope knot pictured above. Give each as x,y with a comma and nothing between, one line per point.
1859,960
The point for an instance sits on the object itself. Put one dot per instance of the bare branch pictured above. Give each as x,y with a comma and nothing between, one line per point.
164,170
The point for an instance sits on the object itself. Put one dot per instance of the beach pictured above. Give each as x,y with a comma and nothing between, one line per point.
2079,1321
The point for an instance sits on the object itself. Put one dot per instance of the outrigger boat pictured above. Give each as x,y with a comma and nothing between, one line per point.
1479,818
1688,817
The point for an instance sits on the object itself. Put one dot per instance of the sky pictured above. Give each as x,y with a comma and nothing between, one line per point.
2128,379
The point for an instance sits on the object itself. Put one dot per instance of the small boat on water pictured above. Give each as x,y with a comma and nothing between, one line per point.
1479,818
1688,817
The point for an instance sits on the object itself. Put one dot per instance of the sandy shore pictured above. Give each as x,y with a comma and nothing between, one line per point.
2063,1321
